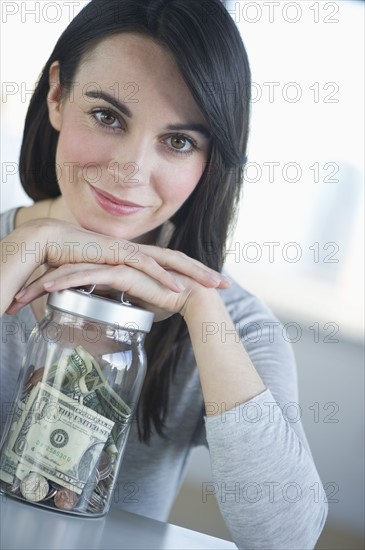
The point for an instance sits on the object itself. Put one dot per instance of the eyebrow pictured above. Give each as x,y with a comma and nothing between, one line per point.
110,99
192,127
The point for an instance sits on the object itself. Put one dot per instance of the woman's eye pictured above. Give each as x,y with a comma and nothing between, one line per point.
181,144
106,118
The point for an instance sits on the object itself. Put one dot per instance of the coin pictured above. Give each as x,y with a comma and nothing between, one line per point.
27,384
102,490
51,493
15,487
29,373
34,487
66,499
37,376
26,392
104,465
96,503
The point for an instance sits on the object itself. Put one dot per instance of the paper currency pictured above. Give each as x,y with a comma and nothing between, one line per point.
71,367
63,440
79,392
9,460
114,407
65,432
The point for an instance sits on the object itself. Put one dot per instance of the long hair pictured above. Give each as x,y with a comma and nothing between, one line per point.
208,50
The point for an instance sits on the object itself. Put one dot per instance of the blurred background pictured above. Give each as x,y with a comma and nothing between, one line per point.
299,239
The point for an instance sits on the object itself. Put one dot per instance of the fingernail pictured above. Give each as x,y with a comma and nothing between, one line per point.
14,308
179,286
20,294
48,285
226,280
216,279
8,310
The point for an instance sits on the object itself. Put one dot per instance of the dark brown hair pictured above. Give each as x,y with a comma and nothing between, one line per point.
209,52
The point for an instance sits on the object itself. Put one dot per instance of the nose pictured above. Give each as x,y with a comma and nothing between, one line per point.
130,165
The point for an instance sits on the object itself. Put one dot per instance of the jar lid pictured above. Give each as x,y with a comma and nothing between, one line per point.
97,308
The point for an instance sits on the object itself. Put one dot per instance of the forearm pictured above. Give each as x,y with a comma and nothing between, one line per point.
263,472
227,374
22,252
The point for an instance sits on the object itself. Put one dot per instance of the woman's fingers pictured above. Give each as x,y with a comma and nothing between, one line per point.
63,274
83,246
122,278
147,264
140,256
29,293
181,263
101,253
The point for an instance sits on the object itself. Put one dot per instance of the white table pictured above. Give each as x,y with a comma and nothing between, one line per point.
25,526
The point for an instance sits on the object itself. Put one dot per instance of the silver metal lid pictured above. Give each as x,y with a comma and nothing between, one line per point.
97,308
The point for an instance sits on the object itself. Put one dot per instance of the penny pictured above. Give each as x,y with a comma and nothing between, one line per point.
37,376
34,487
66,499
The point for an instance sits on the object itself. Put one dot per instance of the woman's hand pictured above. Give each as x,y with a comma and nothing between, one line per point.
74,255
77,245
140,287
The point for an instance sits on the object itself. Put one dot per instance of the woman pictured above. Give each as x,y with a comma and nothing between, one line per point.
134,146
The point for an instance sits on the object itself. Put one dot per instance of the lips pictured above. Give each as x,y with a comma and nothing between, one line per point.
116,200
114,205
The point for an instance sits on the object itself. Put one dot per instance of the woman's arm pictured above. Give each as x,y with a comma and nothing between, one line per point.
227,374
264,477
22,253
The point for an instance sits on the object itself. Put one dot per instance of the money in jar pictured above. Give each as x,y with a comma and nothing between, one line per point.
76,397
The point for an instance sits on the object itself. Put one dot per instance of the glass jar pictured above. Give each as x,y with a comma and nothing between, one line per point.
77,393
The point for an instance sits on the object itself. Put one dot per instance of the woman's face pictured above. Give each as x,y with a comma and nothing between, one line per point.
133,143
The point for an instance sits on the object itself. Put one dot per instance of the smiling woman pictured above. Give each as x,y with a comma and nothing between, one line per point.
144,150
98,130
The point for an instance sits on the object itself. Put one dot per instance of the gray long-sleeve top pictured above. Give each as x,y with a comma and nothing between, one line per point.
264,477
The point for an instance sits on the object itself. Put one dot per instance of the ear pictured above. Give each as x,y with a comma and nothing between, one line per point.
54,97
